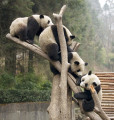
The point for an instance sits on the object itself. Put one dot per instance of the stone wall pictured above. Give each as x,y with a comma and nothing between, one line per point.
24,111
29,111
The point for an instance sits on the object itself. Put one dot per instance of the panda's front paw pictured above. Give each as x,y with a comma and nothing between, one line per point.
29,41
55,58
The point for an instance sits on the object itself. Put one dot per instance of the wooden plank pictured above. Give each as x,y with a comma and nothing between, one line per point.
107,87
106,99
107,84
107,91
108,105
105,74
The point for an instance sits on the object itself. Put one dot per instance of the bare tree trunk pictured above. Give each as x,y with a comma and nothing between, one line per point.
69,103
54,107
65,65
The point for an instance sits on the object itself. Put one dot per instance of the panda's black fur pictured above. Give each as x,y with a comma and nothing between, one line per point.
33,28
54,50
86,96
55,33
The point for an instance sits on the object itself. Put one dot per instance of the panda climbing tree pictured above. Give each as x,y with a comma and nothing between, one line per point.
61,98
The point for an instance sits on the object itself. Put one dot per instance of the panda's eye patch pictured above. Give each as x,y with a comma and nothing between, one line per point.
48,21
78,70
94,84
82,80
86,84
76,62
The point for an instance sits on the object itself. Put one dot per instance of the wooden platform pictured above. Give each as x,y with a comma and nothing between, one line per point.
107,83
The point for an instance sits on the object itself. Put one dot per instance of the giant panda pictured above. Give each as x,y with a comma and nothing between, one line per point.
77,66
86,81
49,41
26,28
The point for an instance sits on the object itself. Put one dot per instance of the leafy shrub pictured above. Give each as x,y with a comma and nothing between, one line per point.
6,81
13,96
30,81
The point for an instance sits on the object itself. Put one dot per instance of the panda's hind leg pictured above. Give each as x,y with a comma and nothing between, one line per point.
53,51
88,106
54,70
22,34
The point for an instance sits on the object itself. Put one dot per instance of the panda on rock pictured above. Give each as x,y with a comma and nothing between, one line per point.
26,28
86,81
49,41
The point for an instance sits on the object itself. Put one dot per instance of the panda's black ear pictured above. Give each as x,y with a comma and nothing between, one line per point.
41,16
76,62
90,72
86,64
70,56
72,36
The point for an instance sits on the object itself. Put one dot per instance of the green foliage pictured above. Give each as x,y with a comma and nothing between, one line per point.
6,81
30,81
13,96
23,88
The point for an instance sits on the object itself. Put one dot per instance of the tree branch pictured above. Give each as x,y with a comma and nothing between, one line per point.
98,108
36,49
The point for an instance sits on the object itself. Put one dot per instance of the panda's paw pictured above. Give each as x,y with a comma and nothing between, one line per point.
55,57
29,41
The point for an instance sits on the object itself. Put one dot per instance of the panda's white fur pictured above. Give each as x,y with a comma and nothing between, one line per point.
21,24
49,41
86,81
43,22
18,24
46,38
77,69
89,80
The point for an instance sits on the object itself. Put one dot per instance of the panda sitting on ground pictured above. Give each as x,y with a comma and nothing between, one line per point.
49,41
86,81
27,27
77,66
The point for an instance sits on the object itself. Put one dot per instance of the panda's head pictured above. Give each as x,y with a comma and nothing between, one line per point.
43,20
68,36
88,80
77,64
